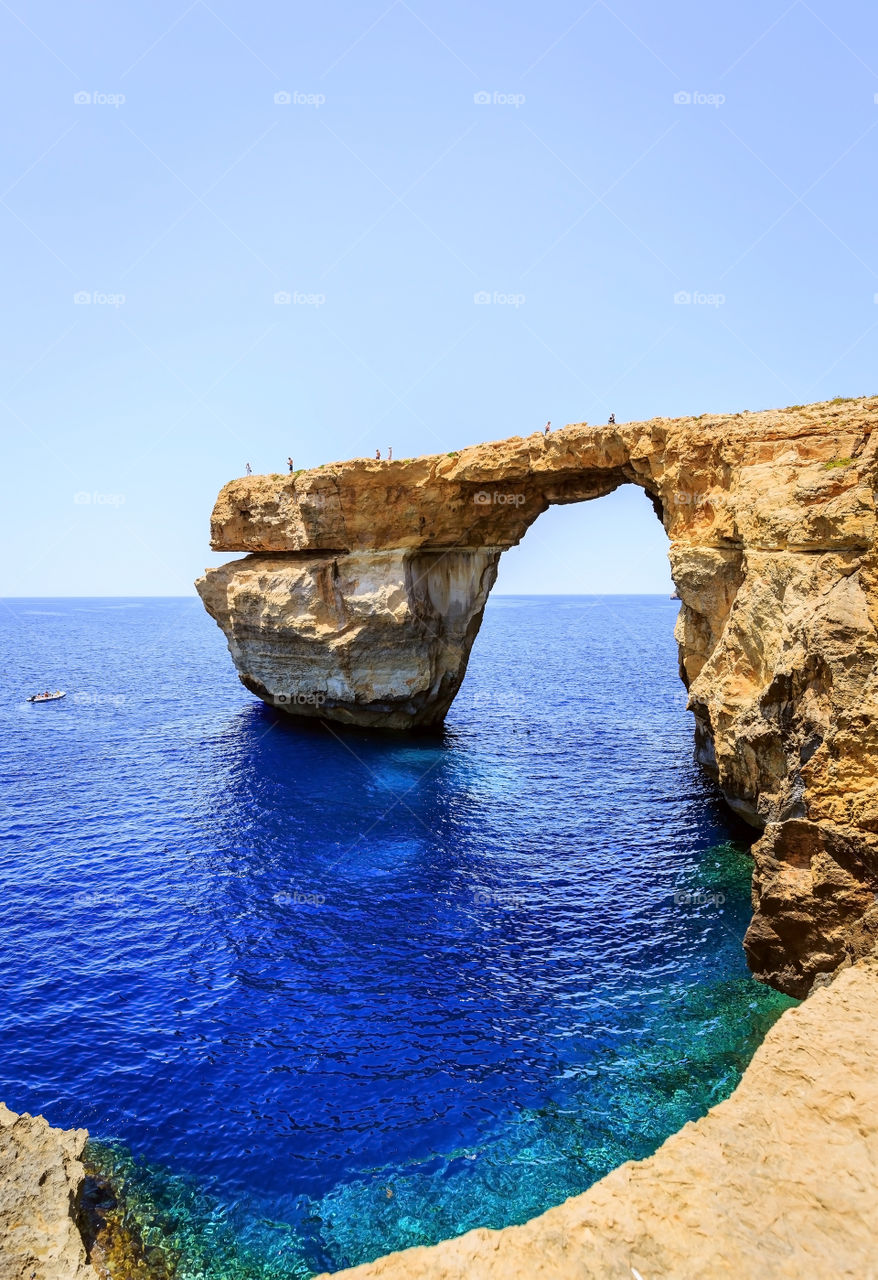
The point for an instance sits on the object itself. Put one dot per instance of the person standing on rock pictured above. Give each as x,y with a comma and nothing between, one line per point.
390,454
290,465
547,428
248,468
377,455
611,421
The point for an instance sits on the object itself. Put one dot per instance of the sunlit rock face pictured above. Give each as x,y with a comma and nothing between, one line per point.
374,638
367,581
41,1180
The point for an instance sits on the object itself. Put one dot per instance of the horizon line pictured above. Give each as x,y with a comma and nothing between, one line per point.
495,595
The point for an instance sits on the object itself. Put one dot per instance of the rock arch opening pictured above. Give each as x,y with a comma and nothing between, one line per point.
613,545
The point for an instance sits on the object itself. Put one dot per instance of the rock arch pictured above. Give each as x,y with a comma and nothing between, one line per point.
366,583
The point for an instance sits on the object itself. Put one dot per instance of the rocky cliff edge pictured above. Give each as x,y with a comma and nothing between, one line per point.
41,1178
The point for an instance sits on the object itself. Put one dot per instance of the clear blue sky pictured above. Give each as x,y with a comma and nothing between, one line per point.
581,188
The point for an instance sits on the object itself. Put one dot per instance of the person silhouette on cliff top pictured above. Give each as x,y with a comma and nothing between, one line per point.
290,465
611,420
547,428
248,468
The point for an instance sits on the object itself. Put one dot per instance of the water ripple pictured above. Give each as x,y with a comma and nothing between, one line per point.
318,996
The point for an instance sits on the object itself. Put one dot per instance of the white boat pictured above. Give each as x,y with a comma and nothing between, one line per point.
47,697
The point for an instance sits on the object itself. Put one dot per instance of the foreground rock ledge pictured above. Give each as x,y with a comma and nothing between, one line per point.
778,1181
366,584
41,1177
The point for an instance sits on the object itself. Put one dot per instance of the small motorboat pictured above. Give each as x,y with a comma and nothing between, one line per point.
48,697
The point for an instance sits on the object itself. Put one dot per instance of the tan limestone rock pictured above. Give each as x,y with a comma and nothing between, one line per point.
41,1176
371,638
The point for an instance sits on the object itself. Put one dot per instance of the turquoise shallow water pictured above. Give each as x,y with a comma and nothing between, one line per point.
319,996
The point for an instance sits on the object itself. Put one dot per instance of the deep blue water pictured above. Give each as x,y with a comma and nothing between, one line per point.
319,995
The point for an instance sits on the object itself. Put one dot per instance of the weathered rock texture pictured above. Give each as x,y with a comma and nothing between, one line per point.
777,1181
41,1178
376,638
367,581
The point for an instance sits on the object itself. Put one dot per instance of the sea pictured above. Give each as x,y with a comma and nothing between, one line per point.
318,994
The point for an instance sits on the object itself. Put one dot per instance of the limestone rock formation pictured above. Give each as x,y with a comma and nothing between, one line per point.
366,583
41,1177
777,1181
372,638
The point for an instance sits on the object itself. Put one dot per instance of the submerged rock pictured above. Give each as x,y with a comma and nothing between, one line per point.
366,584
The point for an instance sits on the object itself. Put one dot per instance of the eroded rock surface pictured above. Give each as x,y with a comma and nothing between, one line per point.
378,638
777,1181
41,1177
367,581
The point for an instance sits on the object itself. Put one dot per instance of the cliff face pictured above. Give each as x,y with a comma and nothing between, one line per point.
366,584
41,1177
778,1180
375,638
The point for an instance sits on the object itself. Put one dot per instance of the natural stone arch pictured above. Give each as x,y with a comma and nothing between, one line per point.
370,579
366,583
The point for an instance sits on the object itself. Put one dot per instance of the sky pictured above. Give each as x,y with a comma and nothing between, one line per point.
173,172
